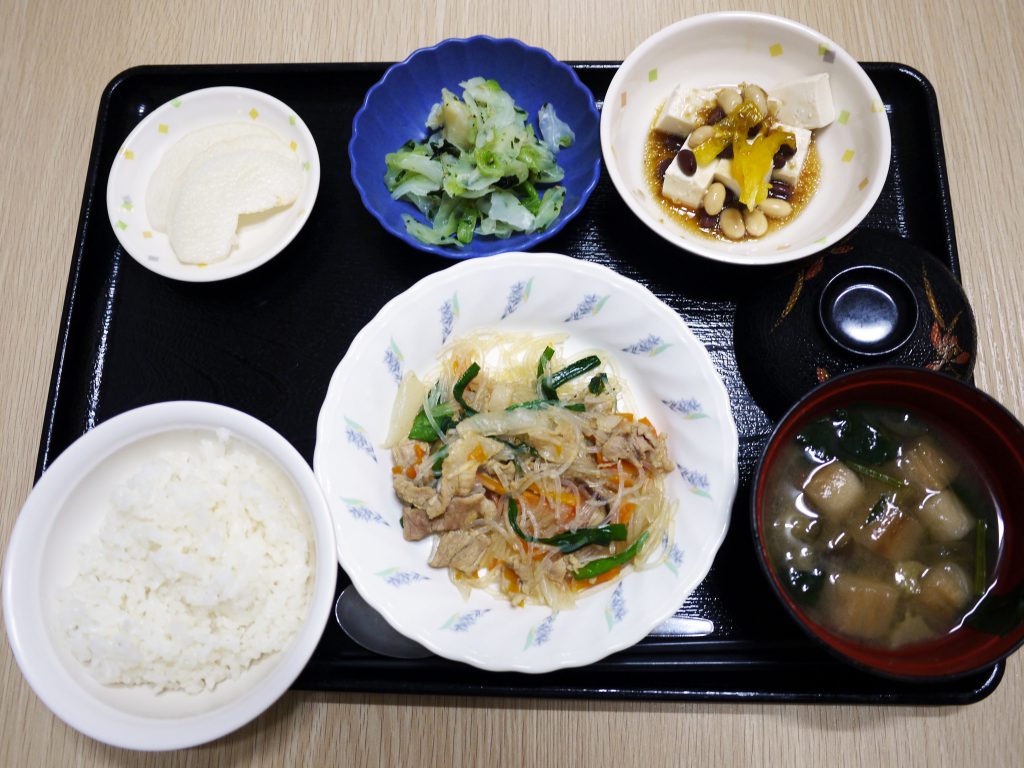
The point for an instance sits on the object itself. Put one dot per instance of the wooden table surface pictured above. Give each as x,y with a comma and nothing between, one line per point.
56,58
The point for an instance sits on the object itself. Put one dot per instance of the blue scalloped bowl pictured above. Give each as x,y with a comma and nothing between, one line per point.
396,109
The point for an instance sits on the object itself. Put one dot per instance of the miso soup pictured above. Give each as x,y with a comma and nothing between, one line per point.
880,527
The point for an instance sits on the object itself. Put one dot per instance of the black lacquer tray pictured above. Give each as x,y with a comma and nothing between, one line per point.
267,343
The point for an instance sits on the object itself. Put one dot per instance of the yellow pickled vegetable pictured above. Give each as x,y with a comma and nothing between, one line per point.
752,164
727,131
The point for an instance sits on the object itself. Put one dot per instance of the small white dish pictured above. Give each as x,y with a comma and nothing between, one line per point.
66,508
672,381
262,237
717,49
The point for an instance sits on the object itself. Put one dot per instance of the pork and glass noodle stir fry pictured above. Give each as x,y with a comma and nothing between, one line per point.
538,485
880,527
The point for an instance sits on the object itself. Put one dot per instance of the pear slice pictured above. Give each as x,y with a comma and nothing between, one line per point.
179,156
222,184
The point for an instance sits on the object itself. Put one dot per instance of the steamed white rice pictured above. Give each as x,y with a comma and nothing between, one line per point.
203,565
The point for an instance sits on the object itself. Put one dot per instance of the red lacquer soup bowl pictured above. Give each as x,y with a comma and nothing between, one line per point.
988,443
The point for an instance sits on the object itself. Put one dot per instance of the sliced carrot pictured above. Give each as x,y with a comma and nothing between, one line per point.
410,472
647,421
606,576
420,453
478,454
396,470
491,484
626,512
513,585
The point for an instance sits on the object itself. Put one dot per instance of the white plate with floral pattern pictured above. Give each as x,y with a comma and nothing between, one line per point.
261,237
672,381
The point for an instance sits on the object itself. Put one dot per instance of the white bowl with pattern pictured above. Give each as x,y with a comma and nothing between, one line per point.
718,49
672,381
261,237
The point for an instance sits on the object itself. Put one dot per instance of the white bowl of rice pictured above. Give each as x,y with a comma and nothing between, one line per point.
169,576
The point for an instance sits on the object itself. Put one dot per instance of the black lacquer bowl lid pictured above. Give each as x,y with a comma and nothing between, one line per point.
871,299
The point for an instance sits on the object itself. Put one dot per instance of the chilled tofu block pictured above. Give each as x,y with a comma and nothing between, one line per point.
681,113
805,102
688,190
723,174
859,606
790,172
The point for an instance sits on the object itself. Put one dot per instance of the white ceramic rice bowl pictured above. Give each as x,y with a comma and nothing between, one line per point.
65,508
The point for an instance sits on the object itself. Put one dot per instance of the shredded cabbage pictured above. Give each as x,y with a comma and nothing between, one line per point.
478,171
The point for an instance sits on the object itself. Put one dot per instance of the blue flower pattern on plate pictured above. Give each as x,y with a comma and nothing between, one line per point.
615,611
393,361
591,305
356,436
517,294
697,481
358,509
395,577
462,622
687,408
674,559
541,633
649,345
449,314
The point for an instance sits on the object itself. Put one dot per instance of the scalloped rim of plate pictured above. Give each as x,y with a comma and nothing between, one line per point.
727,463
730,252
517,242
126,188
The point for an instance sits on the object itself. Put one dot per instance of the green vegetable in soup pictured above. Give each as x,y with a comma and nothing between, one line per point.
847,436
804,586
999,614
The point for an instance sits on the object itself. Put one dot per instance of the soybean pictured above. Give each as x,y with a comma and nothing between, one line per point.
729,99
775,208
755,223
755,94
731,224
714,198
700,135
